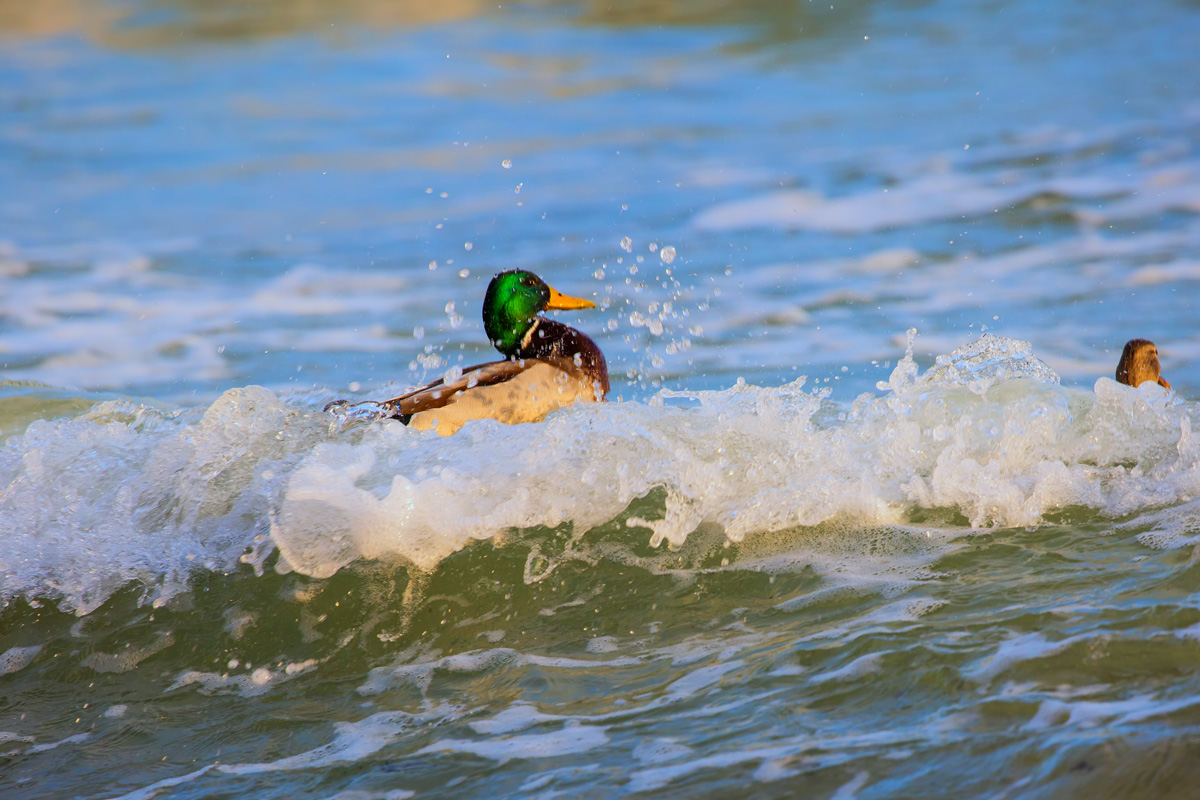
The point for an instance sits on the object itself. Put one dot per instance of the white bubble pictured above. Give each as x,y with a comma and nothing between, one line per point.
462,273
432,265
667,254
627,244
455,318
419,332
468,245
598,274
652,246
506,163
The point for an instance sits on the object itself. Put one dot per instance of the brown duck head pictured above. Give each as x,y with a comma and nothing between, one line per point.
1139,363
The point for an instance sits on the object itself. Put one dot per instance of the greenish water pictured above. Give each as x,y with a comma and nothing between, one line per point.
253,620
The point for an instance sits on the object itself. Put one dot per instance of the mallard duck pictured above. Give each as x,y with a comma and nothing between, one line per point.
1139,363
547,365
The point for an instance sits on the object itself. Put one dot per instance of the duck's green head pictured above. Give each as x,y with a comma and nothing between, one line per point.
512,303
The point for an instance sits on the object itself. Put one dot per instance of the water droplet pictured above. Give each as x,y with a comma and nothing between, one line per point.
463,273
598,274
506,163
354,386
468,245
517,189
627,244
419,332
667,254
432,265
653,246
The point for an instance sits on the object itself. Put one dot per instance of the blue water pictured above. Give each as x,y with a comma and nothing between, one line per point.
806,553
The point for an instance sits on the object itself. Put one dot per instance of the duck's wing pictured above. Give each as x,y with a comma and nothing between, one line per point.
439,393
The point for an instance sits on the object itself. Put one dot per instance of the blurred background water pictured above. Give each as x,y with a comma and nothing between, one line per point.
931,586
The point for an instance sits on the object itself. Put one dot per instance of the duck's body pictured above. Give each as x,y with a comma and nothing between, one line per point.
547,365
1139,363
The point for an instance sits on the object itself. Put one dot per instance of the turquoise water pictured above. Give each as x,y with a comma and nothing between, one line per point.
870,519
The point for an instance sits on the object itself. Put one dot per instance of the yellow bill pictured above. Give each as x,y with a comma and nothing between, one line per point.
564,302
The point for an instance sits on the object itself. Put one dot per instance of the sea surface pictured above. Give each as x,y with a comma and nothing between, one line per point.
868,517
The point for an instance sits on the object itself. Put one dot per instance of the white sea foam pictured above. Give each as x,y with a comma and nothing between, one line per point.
516,717
15,659
571,739
106,317
858,668
850,789
248,684
658,751
128,658
151,791
360,794
353,741
420,674
929,195
922,199
130,493
76,739
1026,647
816,750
